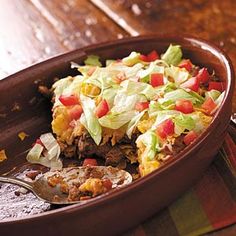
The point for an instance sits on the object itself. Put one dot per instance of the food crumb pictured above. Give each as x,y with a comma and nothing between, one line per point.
22,135
16,107
3,156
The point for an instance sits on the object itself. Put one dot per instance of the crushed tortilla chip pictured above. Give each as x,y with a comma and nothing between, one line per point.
3,156
22,135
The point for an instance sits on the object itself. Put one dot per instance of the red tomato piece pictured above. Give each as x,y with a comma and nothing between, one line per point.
209,105
38,141
153,55
143,58
75,112
102,109
187,64
192,83
69,100
190,137
156,79
140,106
183,105
216,85
166,128
90,162
203,75
107,184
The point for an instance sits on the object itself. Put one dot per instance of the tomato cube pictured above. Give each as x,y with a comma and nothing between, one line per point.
184,106
90,162
153,55
203,75
102,109
156,79
209,105
140,106
216,85
165,129
143,58
107,184
190,137
75,112
69,100
187,64
192,83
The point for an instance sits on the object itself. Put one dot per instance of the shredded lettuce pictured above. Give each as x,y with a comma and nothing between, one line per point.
132,59
179,75
46,154
183,122
213,94
181,94
133,123
93,60
173,55
115,121
131,87
89,120
151,142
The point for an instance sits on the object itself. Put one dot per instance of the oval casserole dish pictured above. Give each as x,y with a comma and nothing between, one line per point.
125,208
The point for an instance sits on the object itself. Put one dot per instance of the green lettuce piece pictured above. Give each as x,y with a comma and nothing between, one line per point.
124,102
132,87
151,141
89,120
115,121
213,94
178,74
93,60
133,123
173,55
132,59
109,62
182,123
109,94
180,94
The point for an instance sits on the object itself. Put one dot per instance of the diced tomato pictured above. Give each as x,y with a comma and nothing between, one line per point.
192,83
216,85
107,184
69,100
184,106
143,58
203,75
166,128
102,109
90,162
187,64
75,112
209,105
140,106
38,141
156,79
190,137
153,55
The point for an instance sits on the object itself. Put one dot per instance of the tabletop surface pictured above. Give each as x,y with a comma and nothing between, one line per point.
35,30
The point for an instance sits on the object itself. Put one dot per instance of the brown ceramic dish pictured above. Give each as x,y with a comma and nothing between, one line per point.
22,109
